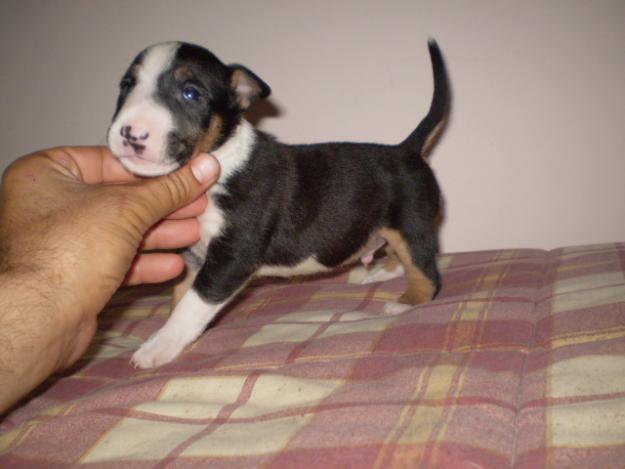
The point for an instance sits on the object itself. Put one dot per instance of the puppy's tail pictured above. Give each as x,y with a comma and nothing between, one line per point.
431,126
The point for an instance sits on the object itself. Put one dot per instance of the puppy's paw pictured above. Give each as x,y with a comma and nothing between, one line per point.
159,349
393,308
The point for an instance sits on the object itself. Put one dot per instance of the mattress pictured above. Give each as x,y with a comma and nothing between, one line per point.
519,362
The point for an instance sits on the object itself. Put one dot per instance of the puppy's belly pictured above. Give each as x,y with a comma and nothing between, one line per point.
306,267
313,266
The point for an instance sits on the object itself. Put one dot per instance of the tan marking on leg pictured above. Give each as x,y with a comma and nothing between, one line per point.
420,288
392,262
182,286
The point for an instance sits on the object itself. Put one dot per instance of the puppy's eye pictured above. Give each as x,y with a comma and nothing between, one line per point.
190,93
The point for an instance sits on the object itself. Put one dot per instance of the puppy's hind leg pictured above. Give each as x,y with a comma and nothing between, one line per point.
389,270
420,267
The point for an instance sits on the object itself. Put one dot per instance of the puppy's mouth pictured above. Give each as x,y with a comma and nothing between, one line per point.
151,158
141,166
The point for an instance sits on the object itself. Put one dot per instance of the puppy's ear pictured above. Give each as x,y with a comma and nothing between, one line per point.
247,86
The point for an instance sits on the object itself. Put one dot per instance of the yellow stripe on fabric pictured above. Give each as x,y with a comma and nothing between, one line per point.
573,251
110,344
323,296
392,435
588,282
599,266
138,311
17,435
13,437
586,337
425,417
323,316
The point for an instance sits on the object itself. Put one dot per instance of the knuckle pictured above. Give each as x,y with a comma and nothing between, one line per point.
176,188
27,168
20,165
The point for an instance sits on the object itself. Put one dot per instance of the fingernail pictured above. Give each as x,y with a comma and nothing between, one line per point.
204,167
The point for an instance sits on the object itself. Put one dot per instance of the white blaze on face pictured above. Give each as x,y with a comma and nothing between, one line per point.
138,135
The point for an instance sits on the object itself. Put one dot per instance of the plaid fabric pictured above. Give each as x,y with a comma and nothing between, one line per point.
520,362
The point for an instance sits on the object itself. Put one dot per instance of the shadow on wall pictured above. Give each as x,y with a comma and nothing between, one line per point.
261,110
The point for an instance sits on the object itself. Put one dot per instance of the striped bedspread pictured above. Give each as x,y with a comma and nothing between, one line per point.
520,362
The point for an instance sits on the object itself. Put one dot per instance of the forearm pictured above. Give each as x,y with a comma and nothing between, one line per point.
32,334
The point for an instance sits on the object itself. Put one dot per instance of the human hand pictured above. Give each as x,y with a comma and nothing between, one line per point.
75,225
180,228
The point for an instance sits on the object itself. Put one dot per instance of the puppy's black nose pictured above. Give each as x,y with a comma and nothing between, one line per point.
127,133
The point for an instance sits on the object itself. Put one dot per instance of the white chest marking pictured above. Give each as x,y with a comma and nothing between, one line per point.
232,156
236,151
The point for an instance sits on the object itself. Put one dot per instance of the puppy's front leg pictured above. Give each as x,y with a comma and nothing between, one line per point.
188,320
230,263
183,285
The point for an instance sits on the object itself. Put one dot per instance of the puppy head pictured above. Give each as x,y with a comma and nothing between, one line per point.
176,100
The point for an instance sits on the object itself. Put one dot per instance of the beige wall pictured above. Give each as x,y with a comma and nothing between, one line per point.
534,155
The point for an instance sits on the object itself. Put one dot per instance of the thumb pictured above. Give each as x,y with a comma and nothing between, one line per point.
165,194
